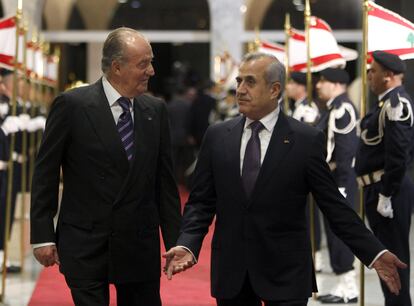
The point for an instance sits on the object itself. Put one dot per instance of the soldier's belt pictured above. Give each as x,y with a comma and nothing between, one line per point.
370,178
3,165
18,157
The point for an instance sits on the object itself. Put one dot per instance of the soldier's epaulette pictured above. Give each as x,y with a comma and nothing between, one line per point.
344,112
398,108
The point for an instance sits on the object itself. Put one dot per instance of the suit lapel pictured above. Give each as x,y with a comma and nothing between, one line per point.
100,115
232,143
281,142
143,125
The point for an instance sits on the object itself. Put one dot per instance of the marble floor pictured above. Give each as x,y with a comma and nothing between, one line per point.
19,287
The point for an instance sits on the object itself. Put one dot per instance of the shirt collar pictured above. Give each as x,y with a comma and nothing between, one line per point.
111,93
329,103
299,102
268,121
381,96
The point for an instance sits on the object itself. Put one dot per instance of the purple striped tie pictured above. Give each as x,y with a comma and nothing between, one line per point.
251,162
125,127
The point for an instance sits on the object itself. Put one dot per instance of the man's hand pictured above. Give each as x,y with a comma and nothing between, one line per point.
178,260
387,268
384,206
47,255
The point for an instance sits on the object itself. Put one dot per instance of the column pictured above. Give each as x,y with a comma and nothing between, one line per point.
227,29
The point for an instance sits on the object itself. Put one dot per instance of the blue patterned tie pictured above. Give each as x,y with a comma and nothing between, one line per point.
251,161
125,127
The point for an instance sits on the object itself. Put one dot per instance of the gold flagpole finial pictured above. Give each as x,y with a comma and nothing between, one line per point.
256,38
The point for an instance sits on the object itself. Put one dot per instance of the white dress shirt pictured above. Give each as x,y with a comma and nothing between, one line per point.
269,122
112,96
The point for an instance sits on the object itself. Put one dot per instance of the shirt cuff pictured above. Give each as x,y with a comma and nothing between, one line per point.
39,245
376,257
187,249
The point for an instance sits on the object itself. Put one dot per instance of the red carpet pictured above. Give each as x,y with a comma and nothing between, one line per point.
191,288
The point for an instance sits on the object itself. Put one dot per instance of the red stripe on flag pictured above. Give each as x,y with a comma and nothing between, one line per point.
399,52
7,59
297,35
9,22
380,12
272,46
318,23
318,61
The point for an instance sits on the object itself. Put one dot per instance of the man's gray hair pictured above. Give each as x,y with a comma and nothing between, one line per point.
114,47
275,72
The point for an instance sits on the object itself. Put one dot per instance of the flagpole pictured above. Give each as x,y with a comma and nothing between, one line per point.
33,91
308,55
24,153
307,14
365,6
10,162
56,57
287,35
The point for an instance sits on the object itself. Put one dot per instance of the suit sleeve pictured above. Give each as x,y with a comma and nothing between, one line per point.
166,189
201,206
343,221
45,184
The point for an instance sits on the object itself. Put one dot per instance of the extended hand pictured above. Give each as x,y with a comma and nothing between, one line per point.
47,255
387,268
178,260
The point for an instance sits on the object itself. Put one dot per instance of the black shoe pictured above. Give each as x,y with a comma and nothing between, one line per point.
323,296
333,299
14,269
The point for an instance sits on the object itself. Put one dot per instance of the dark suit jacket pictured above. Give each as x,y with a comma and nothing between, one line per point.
267,235
110,212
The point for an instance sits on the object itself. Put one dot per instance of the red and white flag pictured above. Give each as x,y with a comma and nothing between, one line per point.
389,32
8,43
51,69
324,49
274,49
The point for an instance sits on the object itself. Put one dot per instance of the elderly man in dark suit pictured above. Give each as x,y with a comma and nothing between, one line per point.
253,175
113,145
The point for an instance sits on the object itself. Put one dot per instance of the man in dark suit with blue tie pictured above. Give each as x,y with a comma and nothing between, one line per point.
253,174
113,145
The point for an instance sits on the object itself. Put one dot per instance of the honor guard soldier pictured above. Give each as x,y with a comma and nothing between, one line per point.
9,125
339,124
384,154
302,110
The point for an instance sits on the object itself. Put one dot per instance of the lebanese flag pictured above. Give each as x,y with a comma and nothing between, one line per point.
30,57
7,42
324,49
51,69
274,49
389,32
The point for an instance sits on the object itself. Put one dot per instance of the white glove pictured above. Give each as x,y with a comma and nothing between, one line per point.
37,123
11,125
4,109
384,206
41,122
309,114
24,121
342,191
